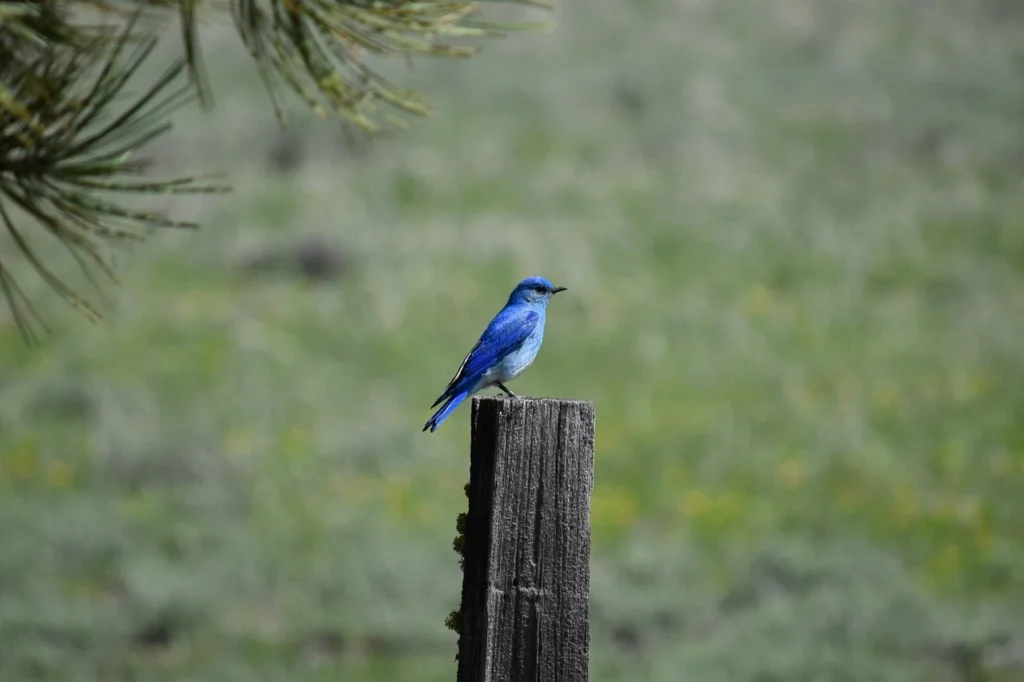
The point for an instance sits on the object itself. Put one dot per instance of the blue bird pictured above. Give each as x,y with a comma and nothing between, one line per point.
505,349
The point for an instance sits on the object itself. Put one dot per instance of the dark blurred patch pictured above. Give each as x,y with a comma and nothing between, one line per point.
312,258
162,630
1002,10
324,644
638,635
136,471
973,659
287,152
67,400
928,144
319,260
629,99
410,190
158,633
627,636
768,577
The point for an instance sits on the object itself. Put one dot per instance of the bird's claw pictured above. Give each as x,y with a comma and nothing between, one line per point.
509,393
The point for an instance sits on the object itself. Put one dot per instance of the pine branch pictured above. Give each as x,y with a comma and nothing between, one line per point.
64,145
318,48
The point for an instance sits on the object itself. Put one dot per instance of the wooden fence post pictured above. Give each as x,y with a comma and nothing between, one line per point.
526,574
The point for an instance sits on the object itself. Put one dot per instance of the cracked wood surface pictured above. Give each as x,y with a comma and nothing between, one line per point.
526,581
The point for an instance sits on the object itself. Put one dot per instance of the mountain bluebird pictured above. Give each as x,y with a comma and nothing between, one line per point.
505,349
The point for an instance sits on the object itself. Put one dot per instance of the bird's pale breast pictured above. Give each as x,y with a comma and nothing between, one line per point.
516,362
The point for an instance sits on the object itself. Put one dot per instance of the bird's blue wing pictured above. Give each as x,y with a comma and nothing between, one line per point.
506,332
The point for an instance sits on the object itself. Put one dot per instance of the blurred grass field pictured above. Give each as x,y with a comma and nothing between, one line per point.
793,236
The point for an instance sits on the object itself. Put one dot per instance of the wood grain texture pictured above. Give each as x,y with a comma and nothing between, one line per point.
526,581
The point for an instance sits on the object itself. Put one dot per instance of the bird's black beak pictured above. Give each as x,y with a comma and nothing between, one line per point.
557,289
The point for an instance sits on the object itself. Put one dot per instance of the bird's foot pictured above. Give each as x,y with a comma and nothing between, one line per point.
507,392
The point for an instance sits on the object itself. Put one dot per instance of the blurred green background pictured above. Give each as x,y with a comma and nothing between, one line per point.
793,236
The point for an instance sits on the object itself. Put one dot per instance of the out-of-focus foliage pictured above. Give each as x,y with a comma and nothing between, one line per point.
793,232
70,143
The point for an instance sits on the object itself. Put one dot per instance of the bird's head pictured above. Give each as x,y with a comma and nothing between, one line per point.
536,290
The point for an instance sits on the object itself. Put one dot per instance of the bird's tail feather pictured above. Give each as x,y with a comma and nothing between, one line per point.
445,410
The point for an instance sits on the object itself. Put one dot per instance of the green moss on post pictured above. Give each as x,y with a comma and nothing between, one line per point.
454,621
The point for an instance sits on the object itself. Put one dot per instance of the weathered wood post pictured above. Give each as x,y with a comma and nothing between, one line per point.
526,575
